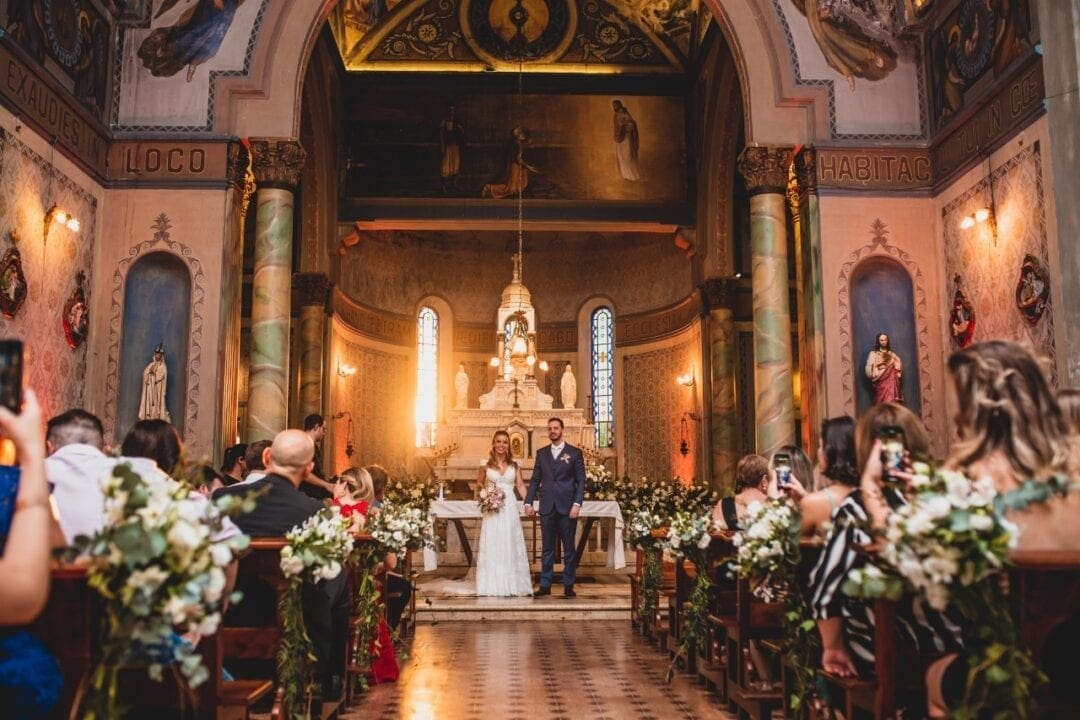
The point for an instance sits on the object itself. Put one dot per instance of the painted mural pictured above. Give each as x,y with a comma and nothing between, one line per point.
975,46
434,142
70,38
858,39
190,41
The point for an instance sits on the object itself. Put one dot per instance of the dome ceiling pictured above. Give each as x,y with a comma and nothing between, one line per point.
550,36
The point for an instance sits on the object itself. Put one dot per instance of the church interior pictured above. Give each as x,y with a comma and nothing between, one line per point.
695,232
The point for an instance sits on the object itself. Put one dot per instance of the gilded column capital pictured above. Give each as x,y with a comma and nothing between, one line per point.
240,175
806,171
312,289
717,292
277,163
765,168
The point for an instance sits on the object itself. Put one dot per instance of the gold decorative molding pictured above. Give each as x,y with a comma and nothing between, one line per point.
277,163
654,325
873,168
765,168
561,337
240,174
312,289
376,324
474,337
806,171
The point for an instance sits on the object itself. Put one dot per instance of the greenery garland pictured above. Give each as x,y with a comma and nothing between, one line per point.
366,615
652,574
295,658
694,629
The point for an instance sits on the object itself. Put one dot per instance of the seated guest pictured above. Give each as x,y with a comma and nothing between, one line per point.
836,462
353,494
75,468
30,678
846,624
281,507
751,479
802,470
156,440
1011,429
207,480
379,478
233,464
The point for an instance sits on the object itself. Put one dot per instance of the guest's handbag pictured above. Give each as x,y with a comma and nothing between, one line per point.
9,489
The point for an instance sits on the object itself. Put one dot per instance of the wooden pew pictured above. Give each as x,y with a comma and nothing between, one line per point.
685,575
68,626
712,665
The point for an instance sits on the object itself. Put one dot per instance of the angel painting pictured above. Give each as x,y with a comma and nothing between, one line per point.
961,318
1032,290
195,38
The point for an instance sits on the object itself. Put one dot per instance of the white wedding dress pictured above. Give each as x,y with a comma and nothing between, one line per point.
502,566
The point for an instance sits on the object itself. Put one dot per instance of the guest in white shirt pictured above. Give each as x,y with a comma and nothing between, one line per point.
255,461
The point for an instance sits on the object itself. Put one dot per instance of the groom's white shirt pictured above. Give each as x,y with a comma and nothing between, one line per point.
556,449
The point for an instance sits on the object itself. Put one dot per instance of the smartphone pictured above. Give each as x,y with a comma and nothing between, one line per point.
892,450
11,374
782,465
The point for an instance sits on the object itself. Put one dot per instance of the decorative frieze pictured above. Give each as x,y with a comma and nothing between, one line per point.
277,163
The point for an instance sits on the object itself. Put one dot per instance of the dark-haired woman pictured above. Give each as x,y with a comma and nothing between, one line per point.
836,463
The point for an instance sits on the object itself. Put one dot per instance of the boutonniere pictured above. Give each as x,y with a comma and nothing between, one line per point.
565,457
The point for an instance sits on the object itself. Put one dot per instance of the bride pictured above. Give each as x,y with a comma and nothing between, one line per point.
502,566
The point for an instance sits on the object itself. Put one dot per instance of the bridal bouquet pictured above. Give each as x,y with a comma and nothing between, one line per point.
491,498
159,572
767,548
399,528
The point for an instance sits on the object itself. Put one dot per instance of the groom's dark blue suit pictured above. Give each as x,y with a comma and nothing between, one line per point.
561,482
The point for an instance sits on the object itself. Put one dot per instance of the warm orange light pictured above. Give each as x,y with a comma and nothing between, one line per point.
967,223
982,215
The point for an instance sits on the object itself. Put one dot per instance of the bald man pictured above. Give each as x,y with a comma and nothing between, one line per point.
290,459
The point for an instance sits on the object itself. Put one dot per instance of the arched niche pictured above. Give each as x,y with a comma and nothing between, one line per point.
883,301
157,309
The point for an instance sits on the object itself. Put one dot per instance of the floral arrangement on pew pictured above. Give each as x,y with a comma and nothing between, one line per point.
414,490
317,550
950,546
768,558
159,573
599,483
688,537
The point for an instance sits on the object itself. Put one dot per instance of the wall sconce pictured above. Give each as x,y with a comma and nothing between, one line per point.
345,370
984,214
686,379
684,432
57,214
350,449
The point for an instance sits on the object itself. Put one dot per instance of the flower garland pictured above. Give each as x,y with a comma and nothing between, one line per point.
159,572
949,546
688,537
317,550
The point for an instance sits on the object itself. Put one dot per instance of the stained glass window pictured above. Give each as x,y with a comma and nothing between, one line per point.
603,376
427,376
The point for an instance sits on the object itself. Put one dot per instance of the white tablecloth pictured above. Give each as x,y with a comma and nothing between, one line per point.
458,509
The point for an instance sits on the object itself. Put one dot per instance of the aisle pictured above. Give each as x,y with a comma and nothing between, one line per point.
535,671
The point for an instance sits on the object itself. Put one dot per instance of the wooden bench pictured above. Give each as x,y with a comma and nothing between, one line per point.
712,665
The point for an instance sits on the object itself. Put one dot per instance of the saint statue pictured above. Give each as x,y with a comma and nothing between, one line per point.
154,378
884,370
626,142
451,140
568,386
461,388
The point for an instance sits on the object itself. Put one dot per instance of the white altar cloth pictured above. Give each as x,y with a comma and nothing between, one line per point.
459,509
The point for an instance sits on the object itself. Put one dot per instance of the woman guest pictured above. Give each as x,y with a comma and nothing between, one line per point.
1011,429
353,494
751,482
836,463
847,624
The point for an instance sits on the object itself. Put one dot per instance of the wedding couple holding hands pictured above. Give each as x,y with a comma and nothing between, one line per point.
502,566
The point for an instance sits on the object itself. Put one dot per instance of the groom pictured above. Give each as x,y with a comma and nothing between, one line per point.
559,474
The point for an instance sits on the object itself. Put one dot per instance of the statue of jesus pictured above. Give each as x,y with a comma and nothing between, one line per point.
885,371
154,379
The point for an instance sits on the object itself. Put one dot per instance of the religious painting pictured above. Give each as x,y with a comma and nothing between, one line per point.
1032,290
517,444
74,35
858,39
76,318
194,37
476,140
961,317
973,48
12,282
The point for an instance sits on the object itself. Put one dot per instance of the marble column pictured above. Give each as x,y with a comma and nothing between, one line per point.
241,189
277,166
807,226
765,170
717,295
313,295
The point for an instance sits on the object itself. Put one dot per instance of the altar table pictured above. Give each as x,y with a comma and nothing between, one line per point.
591,510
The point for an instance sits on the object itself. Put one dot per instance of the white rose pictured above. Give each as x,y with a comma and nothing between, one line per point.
981,523
209,624
221,554
291,565
184,536
937,507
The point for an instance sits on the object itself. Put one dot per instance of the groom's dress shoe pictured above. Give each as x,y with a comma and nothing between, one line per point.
569,592
542,592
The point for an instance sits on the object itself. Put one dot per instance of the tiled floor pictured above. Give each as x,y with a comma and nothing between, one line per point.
549,670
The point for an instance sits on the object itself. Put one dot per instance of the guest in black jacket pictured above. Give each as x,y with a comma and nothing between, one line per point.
281,507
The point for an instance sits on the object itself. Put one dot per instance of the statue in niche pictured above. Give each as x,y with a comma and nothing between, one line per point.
885,372
154,380
461,388
568,387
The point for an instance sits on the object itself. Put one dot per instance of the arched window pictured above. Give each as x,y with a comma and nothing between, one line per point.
427,376
603,376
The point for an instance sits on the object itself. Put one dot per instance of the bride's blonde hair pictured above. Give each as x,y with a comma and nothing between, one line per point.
493,462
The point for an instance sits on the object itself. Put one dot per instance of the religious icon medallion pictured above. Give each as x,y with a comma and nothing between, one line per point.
12,281
76,318
1032,290
961,318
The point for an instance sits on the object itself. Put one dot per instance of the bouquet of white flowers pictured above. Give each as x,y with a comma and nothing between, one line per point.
160,572
688,537
490,498
398,528
599,483
412,490
766,547
641,525
688,531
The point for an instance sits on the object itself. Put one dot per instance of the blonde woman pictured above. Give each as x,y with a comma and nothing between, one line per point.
502,565
353,493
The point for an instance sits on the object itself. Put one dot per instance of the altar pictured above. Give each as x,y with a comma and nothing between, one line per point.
591,511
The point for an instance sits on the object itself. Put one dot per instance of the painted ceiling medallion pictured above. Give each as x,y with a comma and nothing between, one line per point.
61,20
506,31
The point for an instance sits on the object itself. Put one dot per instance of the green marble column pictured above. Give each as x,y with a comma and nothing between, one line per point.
277,168
812,307
765,170
717,296
313,293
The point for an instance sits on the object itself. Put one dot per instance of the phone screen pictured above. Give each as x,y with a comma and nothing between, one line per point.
782,465
892,449
11,373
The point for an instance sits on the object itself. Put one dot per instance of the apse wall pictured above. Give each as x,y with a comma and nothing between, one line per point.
32,179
